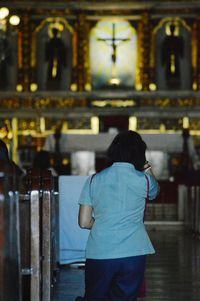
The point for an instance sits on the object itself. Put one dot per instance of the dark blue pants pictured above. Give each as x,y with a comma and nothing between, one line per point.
114,279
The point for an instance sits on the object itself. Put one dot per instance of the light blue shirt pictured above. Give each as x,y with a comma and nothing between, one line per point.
117,195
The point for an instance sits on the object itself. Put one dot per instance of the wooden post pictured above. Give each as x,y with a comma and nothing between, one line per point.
46,235
35,237
2,236
55,234
197,205
26,271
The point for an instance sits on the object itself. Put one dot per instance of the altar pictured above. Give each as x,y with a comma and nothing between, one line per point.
100,142
84,150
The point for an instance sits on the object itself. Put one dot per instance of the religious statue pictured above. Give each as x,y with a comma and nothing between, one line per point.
55,55
5,60
185,171
171,52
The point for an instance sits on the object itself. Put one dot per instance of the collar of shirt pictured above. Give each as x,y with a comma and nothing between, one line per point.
124,164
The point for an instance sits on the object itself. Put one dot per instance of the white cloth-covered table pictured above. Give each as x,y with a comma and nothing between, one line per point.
72,238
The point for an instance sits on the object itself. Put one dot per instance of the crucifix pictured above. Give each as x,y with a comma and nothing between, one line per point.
114,42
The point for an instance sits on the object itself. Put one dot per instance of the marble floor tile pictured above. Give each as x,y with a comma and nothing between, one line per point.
172,274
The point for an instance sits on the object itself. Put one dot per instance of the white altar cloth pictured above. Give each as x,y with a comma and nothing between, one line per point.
99,143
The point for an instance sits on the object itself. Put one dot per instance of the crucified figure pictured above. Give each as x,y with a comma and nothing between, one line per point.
113,42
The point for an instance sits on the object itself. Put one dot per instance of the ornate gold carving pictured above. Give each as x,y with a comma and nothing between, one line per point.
47,103
194,44
83,75
159,124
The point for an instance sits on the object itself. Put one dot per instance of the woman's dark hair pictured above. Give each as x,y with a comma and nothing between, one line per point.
3,151
129,147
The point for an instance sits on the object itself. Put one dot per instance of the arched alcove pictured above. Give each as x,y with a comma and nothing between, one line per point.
57,53
172,54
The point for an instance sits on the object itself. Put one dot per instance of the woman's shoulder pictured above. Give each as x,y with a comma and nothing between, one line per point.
100,173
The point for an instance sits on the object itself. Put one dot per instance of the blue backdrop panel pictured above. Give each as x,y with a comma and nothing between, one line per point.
72,238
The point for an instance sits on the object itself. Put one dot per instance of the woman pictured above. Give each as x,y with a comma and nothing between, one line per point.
112,205
3,152
4,157
42,161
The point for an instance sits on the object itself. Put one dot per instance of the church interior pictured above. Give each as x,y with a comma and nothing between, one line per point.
73,74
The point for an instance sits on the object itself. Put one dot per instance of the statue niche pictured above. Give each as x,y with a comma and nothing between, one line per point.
53,55
171,53
173,56
8,60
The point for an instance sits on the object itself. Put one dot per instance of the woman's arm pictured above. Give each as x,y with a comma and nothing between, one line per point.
85,219
148,169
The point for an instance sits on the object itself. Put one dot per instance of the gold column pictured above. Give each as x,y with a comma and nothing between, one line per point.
82,74
33,54
26,52
15,139
144,40
196,46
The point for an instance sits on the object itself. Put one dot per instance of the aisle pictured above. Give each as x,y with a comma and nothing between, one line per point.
173,273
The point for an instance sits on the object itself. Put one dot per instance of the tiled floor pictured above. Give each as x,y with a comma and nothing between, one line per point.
173,273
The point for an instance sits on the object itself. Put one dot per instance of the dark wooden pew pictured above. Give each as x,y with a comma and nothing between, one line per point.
10,251
44,233
193,210
28,236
